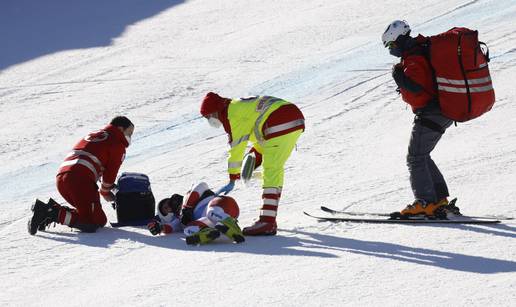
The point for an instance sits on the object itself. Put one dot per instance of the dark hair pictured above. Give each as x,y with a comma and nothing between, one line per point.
160,205
175,201
121,121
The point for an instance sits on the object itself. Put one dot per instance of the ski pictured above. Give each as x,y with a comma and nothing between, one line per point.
357,213
399,221
354,213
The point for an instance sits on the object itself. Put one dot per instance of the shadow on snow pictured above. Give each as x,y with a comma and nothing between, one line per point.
422,256
30,29
302,243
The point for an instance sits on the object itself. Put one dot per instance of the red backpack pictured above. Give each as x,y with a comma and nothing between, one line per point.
461,72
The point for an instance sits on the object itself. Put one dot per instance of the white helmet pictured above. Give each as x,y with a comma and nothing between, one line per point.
395,30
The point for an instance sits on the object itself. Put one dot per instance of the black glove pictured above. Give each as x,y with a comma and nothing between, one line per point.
397,74
186,216
155,227
403,81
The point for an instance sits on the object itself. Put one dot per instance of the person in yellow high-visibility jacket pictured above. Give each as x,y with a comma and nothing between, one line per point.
273,126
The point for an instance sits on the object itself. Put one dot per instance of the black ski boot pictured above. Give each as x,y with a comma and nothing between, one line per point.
45,224
43,214
452,208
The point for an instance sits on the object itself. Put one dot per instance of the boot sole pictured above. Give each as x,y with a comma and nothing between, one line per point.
32,227
196,239
32,230
237,238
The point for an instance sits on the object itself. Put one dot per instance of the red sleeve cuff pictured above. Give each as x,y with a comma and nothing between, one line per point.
167,229
105,188
234,176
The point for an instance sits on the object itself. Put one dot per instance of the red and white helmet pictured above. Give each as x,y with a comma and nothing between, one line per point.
395,29
227,203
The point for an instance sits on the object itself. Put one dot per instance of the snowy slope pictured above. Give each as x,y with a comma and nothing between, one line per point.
154,62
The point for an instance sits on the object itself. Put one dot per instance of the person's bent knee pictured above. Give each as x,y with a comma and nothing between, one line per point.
415,159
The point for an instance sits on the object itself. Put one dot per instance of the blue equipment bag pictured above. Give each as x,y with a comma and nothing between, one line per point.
135,203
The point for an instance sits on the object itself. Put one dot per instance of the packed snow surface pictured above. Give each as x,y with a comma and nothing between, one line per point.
67,68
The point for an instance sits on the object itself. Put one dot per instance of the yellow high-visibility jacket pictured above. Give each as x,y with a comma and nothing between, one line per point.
246,117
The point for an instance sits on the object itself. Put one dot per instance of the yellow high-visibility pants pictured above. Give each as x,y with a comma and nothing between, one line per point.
276,152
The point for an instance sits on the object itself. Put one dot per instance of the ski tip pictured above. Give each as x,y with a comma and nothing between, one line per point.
312,216
323,208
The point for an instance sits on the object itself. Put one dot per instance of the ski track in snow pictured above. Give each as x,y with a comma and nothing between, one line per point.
326,57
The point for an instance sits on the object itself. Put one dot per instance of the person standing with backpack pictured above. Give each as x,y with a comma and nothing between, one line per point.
444,78
415,80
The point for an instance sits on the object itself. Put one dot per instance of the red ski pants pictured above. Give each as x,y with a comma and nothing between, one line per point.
82,193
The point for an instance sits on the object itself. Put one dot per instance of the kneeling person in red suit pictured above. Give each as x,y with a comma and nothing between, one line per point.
97,156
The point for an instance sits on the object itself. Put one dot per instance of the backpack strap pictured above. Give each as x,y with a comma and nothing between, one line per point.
487,51
426,43
425,122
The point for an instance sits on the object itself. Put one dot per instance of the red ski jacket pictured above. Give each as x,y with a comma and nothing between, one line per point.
283,115
416,67
99,154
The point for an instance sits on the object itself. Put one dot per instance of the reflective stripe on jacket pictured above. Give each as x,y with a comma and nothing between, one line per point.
99,154
257,119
